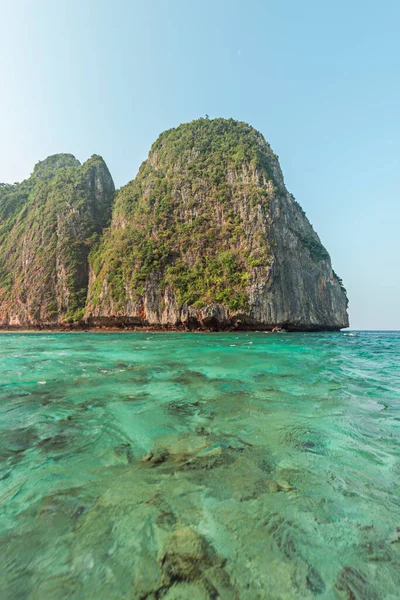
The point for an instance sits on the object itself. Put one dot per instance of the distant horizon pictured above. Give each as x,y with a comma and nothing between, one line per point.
370,329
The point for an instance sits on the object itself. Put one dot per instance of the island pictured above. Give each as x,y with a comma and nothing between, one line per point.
205,237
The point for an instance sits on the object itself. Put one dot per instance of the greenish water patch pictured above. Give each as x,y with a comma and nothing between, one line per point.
145,465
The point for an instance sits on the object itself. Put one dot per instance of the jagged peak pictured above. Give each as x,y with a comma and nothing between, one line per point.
95,158
217,125
197,132
47,168
96,161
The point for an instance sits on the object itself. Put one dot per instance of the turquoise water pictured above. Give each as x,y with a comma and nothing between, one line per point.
137,465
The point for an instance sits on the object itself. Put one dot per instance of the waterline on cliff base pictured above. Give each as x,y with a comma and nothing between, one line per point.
240,465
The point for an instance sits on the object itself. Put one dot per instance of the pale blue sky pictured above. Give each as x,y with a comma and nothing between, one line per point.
320,80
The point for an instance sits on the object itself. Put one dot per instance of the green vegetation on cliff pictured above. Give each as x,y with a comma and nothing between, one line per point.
47,226
206,235
183,219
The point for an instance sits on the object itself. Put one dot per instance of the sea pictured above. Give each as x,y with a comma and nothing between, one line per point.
200,466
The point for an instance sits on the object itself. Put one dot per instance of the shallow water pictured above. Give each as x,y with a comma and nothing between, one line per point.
280,451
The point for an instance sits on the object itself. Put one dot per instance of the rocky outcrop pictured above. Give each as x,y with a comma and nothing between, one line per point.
207,236
48,224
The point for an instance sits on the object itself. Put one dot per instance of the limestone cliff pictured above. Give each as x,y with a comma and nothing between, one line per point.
208,236
48,224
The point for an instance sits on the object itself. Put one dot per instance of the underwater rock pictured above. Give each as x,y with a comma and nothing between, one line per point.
55,442
284,485
377,551
248,487
284,533
195,378
317,447
17,440
218,584
353,586
235,443
205,460
193,454
314,581
79,511
266,464
308,445
124,450
185,409
186,556
186,591
157,457
272,486
201,430
395,537
140,397
305,439
166,520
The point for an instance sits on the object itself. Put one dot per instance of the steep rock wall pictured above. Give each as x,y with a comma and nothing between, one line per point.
208,236
47,226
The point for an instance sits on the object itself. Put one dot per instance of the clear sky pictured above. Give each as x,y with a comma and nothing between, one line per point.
320,80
